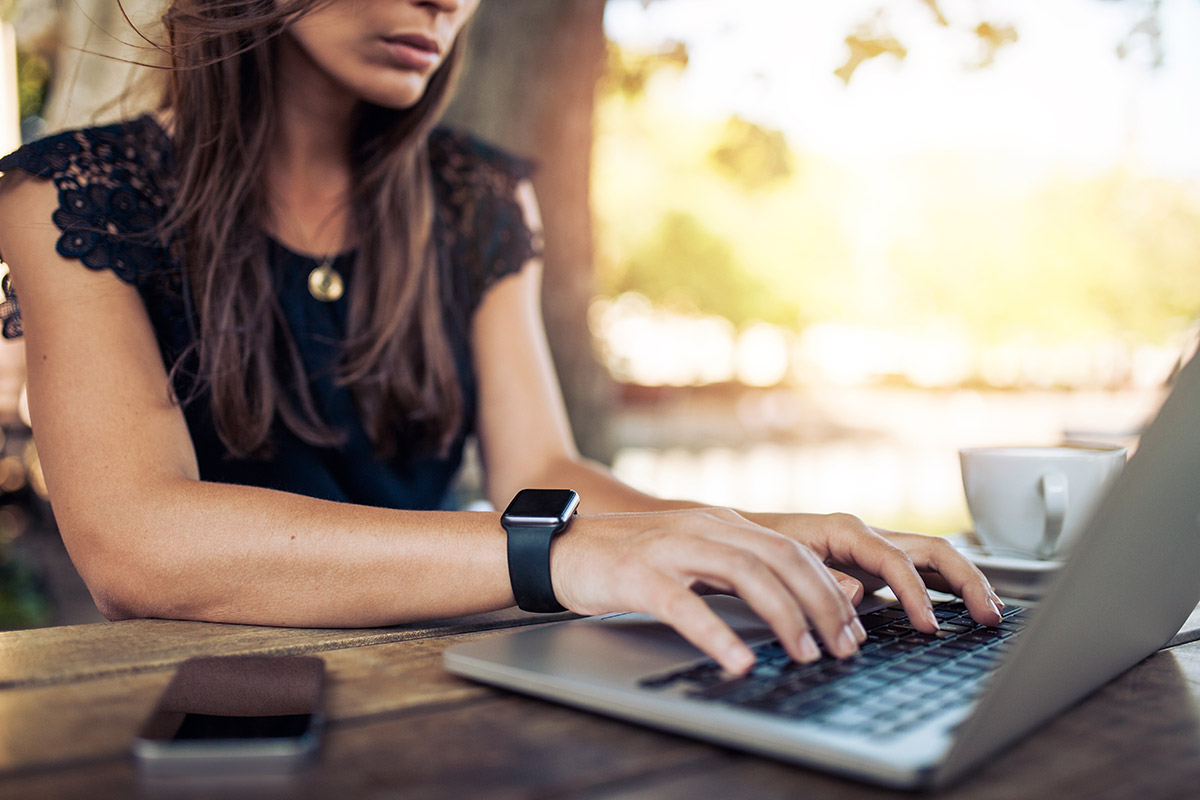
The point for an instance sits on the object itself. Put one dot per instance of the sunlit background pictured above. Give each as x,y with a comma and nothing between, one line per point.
877,232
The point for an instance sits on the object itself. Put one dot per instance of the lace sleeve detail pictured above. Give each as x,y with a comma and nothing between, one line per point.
480,225
10,312
111,199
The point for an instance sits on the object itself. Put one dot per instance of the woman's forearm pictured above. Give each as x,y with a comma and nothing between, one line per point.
194,550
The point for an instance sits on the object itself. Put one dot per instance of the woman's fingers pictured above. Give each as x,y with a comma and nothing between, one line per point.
687,613
792,591
910,564
803,575
850,541
658,561
819,593
851,586
948,570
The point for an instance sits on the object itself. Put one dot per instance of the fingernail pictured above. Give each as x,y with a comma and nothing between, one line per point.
859,630
996,601
808,648
931,618
740,658
997,606
846,641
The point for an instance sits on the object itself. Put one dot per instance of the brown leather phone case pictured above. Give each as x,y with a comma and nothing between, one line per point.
240,686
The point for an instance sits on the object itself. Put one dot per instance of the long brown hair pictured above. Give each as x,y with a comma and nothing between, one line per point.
396,358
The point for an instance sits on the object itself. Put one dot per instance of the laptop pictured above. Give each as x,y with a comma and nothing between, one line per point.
911,710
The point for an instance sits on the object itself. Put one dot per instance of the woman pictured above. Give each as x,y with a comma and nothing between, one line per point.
300,299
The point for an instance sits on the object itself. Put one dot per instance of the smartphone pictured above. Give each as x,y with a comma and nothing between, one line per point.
235,715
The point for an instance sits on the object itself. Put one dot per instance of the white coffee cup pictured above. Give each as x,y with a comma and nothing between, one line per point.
1035,500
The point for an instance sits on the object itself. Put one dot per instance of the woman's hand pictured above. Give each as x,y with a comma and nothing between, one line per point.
657,563
908,563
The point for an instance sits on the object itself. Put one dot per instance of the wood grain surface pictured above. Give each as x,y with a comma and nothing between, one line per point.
47,656
402,727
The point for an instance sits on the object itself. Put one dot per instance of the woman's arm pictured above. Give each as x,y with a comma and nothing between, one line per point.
149,537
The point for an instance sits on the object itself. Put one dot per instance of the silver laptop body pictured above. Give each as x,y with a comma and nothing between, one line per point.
1130,583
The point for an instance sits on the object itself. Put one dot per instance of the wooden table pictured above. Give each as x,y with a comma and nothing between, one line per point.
71,699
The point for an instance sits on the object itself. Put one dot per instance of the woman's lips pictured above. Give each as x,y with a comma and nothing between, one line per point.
412,51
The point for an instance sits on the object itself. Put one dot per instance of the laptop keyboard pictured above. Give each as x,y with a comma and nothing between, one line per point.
898,679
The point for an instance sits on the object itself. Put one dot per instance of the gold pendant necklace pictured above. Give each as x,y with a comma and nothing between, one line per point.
325,283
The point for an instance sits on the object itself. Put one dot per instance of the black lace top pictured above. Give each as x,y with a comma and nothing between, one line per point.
114,185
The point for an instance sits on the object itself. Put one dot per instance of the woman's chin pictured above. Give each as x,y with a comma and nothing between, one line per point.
397,93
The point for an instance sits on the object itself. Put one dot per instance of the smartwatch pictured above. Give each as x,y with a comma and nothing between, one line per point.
532,520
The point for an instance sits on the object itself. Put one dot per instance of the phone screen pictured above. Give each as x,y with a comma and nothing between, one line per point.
217,726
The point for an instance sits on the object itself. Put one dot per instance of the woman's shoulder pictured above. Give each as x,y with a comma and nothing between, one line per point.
481,222
462,158
120,151
110,183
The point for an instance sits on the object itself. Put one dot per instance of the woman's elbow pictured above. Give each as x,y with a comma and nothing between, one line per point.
118,573
116,592
113,606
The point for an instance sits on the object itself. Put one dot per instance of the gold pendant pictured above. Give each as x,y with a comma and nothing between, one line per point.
325,283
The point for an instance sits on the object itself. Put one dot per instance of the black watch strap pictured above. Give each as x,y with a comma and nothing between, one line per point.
529,567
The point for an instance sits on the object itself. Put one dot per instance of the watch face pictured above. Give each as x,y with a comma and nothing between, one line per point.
541,506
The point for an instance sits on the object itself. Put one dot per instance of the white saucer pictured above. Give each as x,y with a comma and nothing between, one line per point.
1010,576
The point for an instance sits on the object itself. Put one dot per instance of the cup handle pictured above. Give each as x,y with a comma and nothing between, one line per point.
1054,500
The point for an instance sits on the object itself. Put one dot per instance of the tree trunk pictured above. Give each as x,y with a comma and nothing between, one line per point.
530,87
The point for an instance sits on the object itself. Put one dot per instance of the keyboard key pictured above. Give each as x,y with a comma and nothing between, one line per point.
891,612
659,681
704,675
893,630
964,668
940,680
866,685
985,662
874,620
807,707
908,692
728,688
937,655
929,638
847,718
960,644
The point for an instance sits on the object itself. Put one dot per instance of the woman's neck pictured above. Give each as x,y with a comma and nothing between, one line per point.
309,168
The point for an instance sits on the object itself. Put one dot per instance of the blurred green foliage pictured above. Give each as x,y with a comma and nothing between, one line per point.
683,264
23,603
727,218
627,72
33,78
752,156
1115,254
